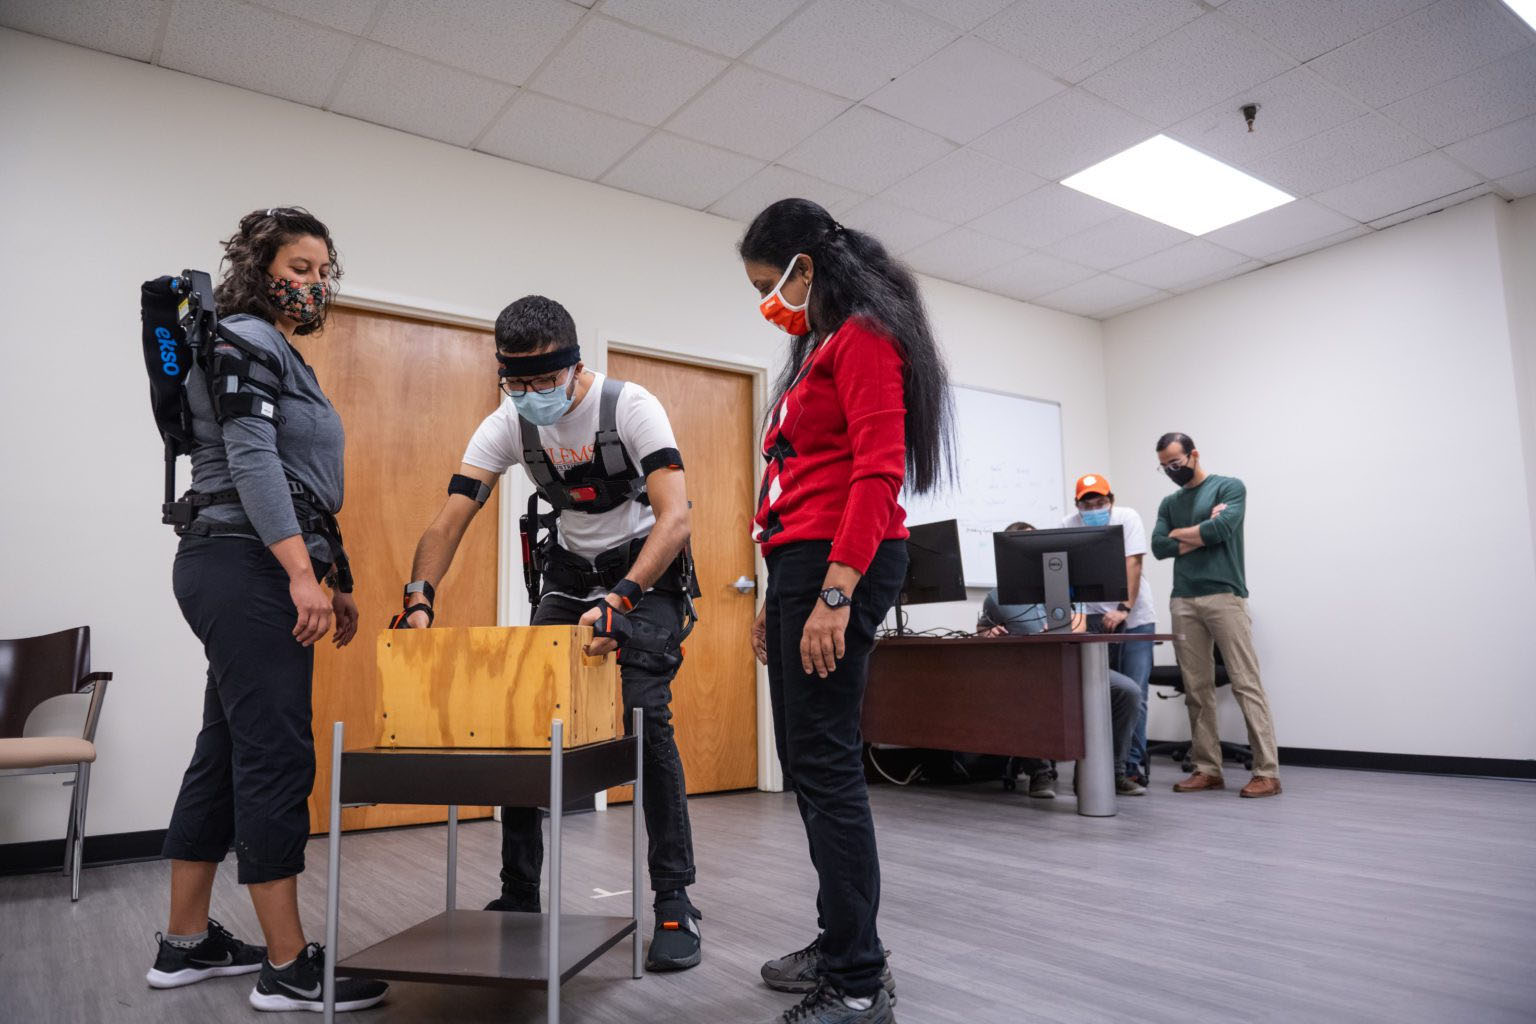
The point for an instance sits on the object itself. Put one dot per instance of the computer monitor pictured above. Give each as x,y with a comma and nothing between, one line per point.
934,571
1057,568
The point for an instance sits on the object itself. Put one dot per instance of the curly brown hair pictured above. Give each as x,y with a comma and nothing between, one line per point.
244,281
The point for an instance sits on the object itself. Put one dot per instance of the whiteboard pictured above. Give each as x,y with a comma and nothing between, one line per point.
1008,467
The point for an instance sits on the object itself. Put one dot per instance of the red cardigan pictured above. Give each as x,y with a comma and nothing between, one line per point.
836,450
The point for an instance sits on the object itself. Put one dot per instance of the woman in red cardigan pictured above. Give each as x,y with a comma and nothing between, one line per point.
862,405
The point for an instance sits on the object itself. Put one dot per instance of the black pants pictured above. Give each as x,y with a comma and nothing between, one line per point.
816,728
254,762
647,665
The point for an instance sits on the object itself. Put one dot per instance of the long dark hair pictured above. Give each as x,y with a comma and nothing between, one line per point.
856,277
243,282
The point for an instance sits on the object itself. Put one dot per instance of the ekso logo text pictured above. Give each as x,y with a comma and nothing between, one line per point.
167,352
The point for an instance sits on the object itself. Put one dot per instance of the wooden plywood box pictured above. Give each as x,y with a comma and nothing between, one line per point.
494,686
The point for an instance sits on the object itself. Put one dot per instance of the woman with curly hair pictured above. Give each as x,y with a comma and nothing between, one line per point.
266,483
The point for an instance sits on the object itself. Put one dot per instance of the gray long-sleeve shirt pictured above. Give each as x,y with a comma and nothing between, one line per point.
257,457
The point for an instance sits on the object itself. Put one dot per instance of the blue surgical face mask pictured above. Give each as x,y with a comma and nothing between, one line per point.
1095,517
542,410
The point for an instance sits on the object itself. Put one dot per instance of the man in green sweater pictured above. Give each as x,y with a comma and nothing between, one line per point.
1200,526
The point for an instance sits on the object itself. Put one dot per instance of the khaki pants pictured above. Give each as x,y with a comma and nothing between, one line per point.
1224,619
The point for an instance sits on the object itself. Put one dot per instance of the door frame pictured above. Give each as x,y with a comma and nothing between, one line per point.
770,774
512,606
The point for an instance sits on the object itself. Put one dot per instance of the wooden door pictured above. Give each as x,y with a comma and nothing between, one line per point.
714,699
410,394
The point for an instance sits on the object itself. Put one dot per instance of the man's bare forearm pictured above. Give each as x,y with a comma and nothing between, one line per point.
660,550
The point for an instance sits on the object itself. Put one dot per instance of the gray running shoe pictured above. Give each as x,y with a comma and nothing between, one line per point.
824,1005
1127,786
798,971
1042,785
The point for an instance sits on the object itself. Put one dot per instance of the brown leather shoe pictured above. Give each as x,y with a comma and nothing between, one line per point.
1261,785
1199,781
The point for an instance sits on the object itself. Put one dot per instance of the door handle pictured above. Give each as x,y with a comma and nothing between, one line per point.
745,584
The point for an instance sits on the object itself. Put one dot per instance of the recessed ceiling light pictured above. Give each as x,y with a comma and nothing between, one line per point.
1524,9
1175,185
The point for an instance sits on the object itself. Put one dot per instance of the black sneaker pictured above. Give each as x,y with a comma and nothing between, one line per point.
301,986
514,904
800,971
825,1005
677,943
217,956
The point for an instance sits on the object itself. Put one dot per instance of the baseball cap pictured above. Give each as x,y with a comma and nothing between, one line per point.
1092,484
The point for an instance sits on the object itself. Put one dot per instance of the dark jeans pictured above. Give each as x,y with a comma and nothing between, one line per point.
254,762
647,665
816,728
1134,658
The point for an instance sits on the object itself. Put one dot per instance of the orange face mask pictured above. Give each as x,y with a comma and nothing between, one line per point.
779,312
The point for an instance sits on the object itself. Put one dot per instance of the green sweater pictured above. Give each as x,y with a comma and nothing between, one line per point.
1216,568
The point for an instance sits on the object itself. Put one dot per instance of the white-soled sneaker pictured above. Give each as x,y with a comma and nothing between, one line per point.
301,986
217,956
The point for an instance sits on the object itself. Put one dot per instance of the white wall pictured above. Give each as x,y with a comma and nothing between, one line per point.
1367,396
100,194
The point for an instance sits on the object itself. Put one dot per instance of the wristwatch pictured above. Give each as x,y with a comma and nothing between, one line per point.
834,598
1124,607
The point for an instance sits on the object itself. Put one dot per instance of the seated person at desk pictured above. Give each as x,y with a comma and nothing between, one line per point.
999,619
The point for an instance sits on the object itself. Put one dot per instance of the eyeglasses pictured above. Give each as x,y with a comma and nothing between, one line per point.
1176,464
518,388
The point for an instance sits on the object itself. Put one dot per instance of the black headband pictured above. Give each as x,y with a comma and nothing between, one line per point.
542,362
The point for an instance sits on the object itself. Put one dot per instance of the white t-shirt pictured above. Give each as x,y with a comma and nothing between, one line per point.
1129,520
572,441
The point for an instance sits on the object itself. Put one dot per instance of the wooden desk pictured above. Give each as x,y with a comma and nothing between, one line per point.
1021,696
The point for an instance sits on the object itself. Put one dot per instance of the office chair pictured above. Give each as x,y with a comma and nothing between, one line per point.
32,670
1171,677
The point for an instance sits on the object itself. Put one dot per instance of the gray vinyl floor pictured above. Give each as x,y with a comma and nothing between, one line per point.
1355,897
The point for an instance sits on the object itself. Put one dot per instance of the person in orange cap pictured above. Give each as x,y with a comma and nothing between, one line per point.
1135,615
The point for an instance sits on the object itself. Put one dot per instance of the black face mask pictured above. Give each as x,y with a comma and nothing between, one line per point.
1180,476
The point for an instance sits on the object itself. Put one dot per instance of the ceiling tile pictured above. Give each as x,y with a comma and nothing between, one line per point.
1420,180
1044,216
751,111
1292,107
773,183
1317,244
559,137
851,47
1072,39
1517,186
728,28
1434,206
966,89
1065,134
962,254
962,186
1099,296
499,40
1310,28
349,16
1185,265
899,229
963,14
1031,276
1117,242
414,95
619,70
1500,152
1188,70
866,150
1423,49
216,38
681,171
1479,100
1337,156
1280,229
124,27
